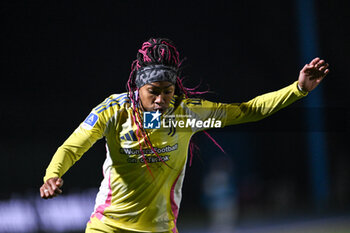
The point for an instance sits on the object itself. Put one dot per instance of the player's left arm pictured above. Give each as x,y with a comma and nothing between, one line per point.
265,105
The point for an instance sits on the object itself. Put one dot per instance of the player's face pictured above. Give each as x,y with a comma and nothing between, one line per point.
156,96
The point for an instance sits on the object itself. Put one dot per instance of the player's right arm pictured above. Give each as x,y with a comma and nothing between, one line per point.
92,129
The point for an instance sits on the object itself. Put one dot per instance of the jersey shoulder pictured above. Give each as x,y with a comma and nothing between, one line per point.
112,103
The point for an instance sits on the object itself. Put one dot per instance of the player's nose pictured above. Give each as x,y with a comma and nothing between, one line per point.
160,99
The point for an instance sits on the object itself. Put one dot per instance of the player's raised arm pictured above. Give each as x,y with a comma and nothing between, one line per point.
312,74
264,105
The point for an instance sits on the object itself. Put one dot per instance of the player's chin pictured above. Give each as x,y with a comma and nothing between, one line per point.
161,110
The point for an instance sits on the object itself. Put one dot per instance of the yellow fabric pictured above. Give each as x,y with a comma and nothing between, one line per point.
97,226
130,197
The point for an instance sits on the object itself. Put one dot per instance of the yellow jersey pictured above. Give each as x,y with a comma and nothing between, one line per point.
130,197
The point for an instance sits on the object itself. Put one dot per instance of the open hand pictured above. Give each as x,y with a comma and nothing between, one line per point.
51,188
312,74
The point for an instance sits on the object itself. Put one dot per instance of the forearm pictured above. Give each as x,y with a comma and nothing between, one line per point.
70,152
269,103
60,163
264,105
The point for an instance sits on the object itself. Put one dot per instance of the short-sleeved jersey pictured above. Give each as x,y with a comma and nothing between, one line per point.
129,196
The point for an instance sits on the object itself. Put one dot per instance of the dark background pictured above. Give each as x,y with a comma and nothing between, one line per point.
59,59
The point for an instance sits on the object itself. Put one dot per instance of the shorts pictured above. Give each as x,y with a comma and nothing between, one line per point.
97,226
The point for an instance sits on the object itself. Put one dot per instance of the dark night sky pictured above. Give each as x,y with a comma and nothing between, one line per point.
60,58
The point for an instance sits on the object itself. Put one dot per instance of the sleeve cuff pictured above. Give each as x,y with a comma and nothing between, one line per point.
48,176
298,90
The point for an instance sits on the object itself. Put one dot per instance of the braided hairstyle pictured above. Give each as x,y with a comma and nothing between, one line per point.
157,51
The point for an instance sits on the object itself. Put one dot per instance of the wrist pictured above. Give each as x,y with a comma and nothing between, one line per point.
301,89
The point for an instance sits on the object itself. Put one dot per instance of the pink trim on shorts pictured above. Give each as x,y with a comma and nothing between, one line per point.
174,207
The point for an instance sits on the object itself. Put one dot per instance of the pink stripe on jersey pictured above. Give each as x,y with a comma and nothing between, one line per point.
100,209
174,206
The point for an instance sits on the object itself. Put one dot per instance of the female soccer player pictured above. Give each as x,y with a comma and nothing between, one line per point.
148,131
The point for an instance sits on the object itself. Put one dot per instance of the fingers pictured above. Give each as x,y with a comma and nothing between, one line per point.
307,67
323,67
326,72
51,188
315,61
54,187
45,191
59,182
317,66
321,64
42,193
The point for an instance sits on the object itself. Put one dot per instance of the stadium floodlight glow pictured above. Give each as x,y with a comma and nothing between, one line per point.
17,215
32,214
